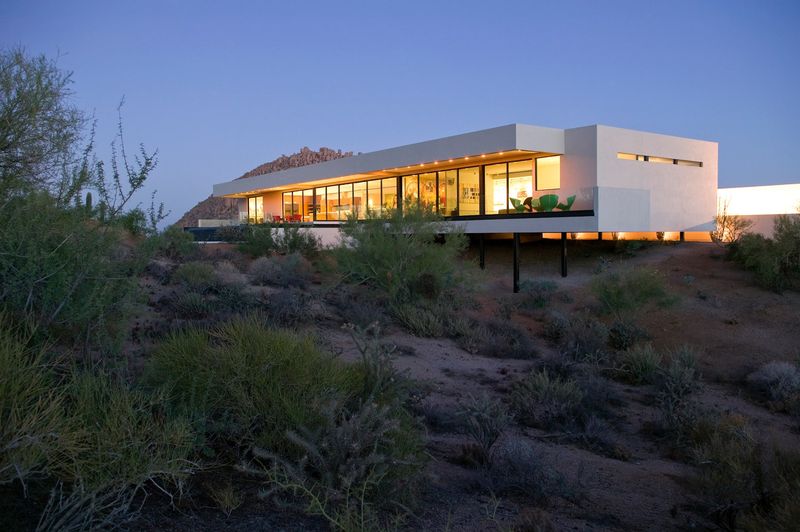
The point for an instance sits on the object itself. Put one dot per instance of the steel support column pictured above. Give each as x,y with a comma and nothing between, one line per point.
563,254
516,263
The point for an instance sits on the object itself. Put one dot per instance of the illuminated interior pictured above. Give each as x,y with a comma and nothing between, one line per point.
763,200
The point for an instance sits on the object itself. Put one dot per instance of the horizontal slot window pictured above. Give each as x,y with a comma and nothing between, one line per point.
653,159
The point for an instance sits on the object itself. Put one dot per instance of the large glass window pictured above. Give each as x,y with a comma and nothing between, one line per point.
374,196
448,197
360,199
389,196
469,191
287,206
410,190
345,201
333,203
548,173
427,190
496,188
308,205
320,204
520,181
255,210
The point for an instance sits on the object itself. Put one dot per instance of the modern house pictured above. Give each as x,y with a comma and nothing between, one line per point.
510,179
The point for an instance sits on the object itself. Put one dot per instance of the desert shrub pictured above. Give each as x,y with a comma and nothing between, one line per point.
729,228
192,305
126,436
234,298
257,240
32,425
681,417
586,339
197,276
484,419
517,467
621,294
231,233
535,293
640,364
246,383
779,510
405,255
289,270
775,262
777,381
420,320
174,243
504,339
540,399
357,305
288,308
556,326
624,334
294,239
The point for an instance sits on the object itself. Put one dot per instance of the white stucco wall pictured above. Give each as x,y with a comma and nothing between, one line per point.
649,196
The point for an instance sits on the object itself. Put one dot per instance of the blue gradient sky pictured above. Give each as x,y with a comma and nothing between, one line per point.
220,87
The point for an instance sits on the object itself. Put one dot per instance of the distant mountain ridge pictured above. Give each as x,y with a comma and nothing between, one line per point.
224,208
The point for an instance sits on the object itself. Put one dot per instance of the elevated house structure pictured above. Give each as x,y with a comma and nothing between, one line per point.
515,179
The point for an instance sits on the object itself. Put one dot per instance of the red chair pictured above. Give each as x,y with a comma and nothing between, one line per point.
297,218
277,219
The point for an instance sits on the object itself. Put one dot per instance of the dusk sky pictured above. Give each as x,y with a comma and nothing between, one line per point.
220,87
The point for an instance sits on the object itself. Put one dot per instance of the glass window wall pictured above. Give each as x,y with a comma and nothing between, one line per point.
427,190
448,195
469,191
255,210
520,181
410,190
389,193
496,187
333,203
548,173
374,197
360,200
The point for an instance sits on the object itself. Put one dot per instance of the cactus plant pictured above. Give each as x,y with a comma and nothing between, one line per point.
546,203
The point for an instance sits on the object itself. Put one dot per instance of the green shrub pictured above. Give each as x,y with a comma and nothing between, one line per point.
257,240
197,276
405,256
779,509
775,262
484,420
192,305
289,270
125,436
289,308
32,406
519,468
640,364
337,436
540,399
174,243
536,293
423,321
586,339
623,335
556,326
622,294
294,239
245,383
73,278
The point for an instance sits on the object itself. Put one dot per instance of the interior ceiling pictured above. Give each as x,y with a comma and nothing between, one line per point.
430,166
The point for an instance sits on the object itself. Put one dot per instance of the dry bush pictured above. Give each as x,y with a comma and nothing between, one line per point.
777,381
292,270
196,276
517,467
622,294
484,419
542,400
624,334
420,320
639,365
586,339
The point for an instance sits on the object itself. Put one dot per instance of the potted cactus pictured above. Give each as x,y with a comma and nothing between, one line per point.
546,203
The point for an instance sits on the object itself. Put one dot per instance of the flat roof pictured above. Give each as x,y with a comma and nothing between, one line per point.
424,156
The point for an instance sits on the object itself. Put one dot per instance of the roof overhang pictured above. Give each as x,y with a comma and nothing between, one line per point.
423,156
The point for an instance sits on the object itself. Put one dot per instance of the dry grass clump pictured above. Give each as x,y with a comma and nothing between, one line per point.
778,382
541,399
639,365
484,419
622,294
196,276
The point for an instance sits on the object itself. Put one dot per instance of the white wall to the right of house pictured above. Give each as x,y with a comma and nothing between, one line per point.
650,196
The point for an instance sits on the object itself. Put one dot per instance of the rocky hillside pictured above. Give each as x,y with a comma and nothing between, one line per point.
212,208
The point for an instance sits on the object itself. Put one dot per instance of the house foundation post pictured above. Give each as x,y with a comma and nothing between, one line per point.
682,236
563,254
599,235
482,251
516,263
